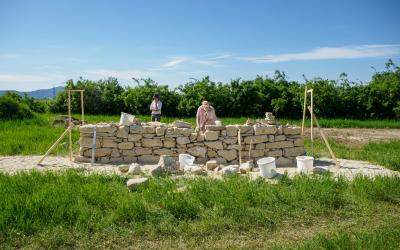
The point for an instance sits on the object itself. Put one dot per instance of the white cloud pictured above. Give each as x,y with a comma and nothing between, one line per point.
329,53
120,74
174,61
209,60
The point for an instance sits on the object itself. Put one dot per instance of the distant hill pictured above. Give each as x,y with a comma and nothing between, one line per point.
38,94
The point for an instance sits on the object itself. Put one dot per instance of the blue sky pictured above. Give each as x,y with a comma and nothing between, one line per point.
45,43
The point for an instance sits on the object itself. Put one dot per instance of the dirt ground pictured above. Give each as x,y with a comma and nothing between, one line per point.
357,136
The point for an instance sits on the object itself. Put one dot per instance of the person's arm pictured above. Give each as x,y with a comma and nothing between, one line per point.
198,119
159,105
151,106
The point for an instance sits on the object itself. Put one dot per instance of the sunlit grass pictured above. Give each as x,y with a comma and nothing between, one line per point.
72,210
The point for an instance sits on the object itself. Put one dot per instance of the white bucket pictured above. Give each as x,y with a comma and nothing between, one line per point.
126,119
305,164
186,160
267,167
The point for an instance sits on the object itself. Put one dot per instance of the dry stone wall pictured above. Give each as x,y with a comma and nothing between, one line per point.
147,141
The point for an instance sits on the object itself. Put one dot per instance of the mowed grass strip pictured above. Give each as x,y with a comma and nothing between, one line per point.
385,153
72,210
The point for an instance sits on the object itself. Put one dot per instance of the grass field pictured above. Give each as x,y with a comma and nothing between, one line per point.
72,210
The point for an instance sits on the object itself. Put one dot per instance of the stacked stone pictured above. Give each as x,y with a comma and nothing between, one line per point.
269,118
146,142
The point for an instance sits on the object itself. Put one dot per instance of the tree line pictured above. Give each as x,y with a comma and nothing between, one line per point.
379,98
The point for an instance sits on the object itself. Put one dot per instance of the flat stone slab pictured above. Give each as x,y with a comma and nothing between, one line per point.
349,168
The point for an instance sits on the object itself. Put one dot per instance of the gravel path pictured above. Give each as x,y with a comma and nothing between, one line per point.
349,169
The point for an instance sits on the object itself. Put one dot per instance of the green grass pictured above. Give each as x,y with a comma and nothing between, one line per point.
386,154
73,210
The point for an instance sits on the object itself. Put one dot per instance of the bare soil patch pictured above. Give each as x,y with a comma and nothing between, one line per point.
357,136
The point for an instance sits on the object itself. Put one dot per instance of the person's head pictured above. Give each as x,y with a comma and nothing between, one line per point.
156,97
206,105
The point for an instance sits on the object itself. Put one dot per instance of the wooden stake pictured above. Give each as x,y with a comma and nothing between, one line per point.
312,125
55,144
324,138
240,148
304,110
69,124
82,109
251,144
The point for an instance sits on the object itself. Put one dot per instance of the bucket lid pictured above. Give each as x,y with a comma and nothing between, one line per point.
265,160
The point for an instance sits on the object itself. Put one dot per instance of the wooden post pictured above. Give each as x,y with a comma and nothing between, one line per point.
69,124
82,109
311,91
251,144
304,110
55,144
240,148
324,137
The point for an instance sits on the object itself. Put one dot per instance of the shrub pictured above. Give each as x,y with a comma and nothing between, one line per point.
12,109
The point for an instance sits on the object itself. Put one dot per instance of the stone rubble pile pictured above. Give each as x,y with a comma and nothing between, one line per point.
146,142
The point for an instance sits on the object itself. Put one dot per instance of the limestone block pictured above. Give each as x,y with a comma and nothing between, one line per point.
231,140
168,164
261,129
211,153
292,130
148,129
80,158
299,142
279,144
182,140
128,152
280,137
200,137
130,159
214,128
163,151
143,151
260,146
100,152
148,158
229,170
181,124
211,165
170,131
106,128
255,139
136,129
296,151
109,143
223,133
103,160
244,129
115,153
86,142
214,144
231,130
183,131
181,150
134,137
135,183
169,144
233,146
201,160
197,151
271,138
122,132
160,131
211,135
149,143
283,161
274,153
280,129
228,155
87,129
116,160
125,145
193,137
257,153
148,135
